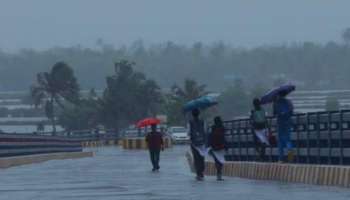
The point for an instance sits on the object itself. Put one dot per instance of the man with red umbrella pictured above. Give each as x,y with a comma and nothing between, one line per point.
154,141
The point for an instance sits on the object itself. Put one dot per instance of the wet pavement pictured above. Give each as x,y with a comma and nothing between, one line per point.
119,174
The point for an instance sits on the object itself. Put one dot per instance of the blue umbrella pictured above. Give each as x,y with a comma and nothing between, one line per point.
272,94
201,103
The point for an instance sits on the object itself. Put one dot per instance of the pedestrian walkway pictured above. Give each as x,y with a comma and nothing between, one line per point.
126,175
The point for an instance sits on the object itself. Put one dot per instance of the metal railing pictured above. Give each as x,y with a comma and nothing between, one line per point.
318,138
79,135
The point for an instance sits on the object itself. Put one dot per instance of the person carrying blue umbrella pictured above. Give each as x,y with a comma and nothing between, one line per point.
197,131
201,102
198,140
283,110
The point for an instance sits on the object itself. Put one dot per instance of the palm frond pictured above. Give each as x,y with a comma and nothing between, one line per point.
38,94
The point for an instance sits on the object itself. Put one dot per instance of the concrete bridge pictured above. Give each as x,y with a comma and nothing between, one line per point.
114,173
322,143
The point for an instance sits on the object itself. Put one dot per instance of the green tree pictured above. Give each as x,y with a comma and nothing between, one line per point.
129,96
346,35
234,101
332,104
92,94
82,116
40,127
178,96
190,90
53,87
172,107
313,65
258,90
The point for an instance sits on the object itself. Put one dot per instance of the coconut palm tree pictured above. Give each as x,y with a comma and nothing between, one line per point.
178,96
190,90
54,87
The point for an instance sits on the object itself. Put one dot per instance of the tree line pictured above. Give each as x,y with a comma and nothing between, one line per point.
218,65
129,96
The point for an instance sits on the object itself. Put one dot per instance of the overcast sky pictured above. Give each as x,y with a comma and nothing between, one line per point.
46,23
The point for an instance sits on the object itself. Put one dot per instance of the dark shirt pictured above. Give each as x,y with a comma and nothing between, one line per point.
197,132
216,139
154,140
283,110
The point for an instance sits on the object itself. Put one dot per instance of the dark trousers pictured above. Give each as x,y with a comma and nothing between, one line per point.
284,141
218,164
260,148
154,155
198,162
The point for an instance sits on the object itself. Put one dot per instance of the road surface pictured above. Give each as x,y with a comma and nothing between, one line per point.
123,174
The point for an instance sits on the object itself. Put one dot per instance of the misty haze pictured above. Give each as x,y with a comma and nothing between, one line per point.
186,99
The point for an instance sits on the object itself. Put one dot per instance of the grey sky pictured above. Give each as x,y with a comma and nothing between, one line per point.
47,23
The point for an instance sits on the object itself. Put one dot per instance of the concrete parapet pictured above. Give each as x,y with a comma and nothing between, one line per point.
329,175
38,158
92,144
111,142
140,143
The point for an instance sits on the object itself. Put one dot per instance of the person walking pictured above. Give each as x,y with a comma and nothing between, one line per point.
217,144
283,110
155,144
259,123
198,141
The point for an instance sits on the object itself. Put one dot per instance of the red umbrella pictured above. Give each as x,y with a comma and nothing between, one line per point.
147,122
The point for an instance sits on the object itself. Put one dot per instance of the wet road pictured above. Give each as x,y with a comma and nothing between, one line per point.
118,174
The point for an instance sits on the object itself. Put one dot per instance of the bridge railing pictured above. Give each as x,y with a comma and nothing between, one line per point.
15,144
79,135
27,144
318,138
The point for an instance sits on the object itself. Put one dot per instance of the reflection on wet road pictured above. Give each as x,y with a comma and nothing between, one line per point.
118,174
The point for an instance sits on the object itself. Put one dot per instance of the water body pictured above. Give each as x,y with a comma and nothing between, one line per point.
125,175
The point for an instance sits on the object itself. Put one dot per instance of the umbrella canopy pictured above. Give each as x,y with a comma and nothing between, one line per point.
272,94
201,103
147,122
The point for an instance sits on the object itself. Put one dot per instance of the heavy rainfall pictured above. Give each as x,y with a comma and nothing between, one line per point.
181,99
